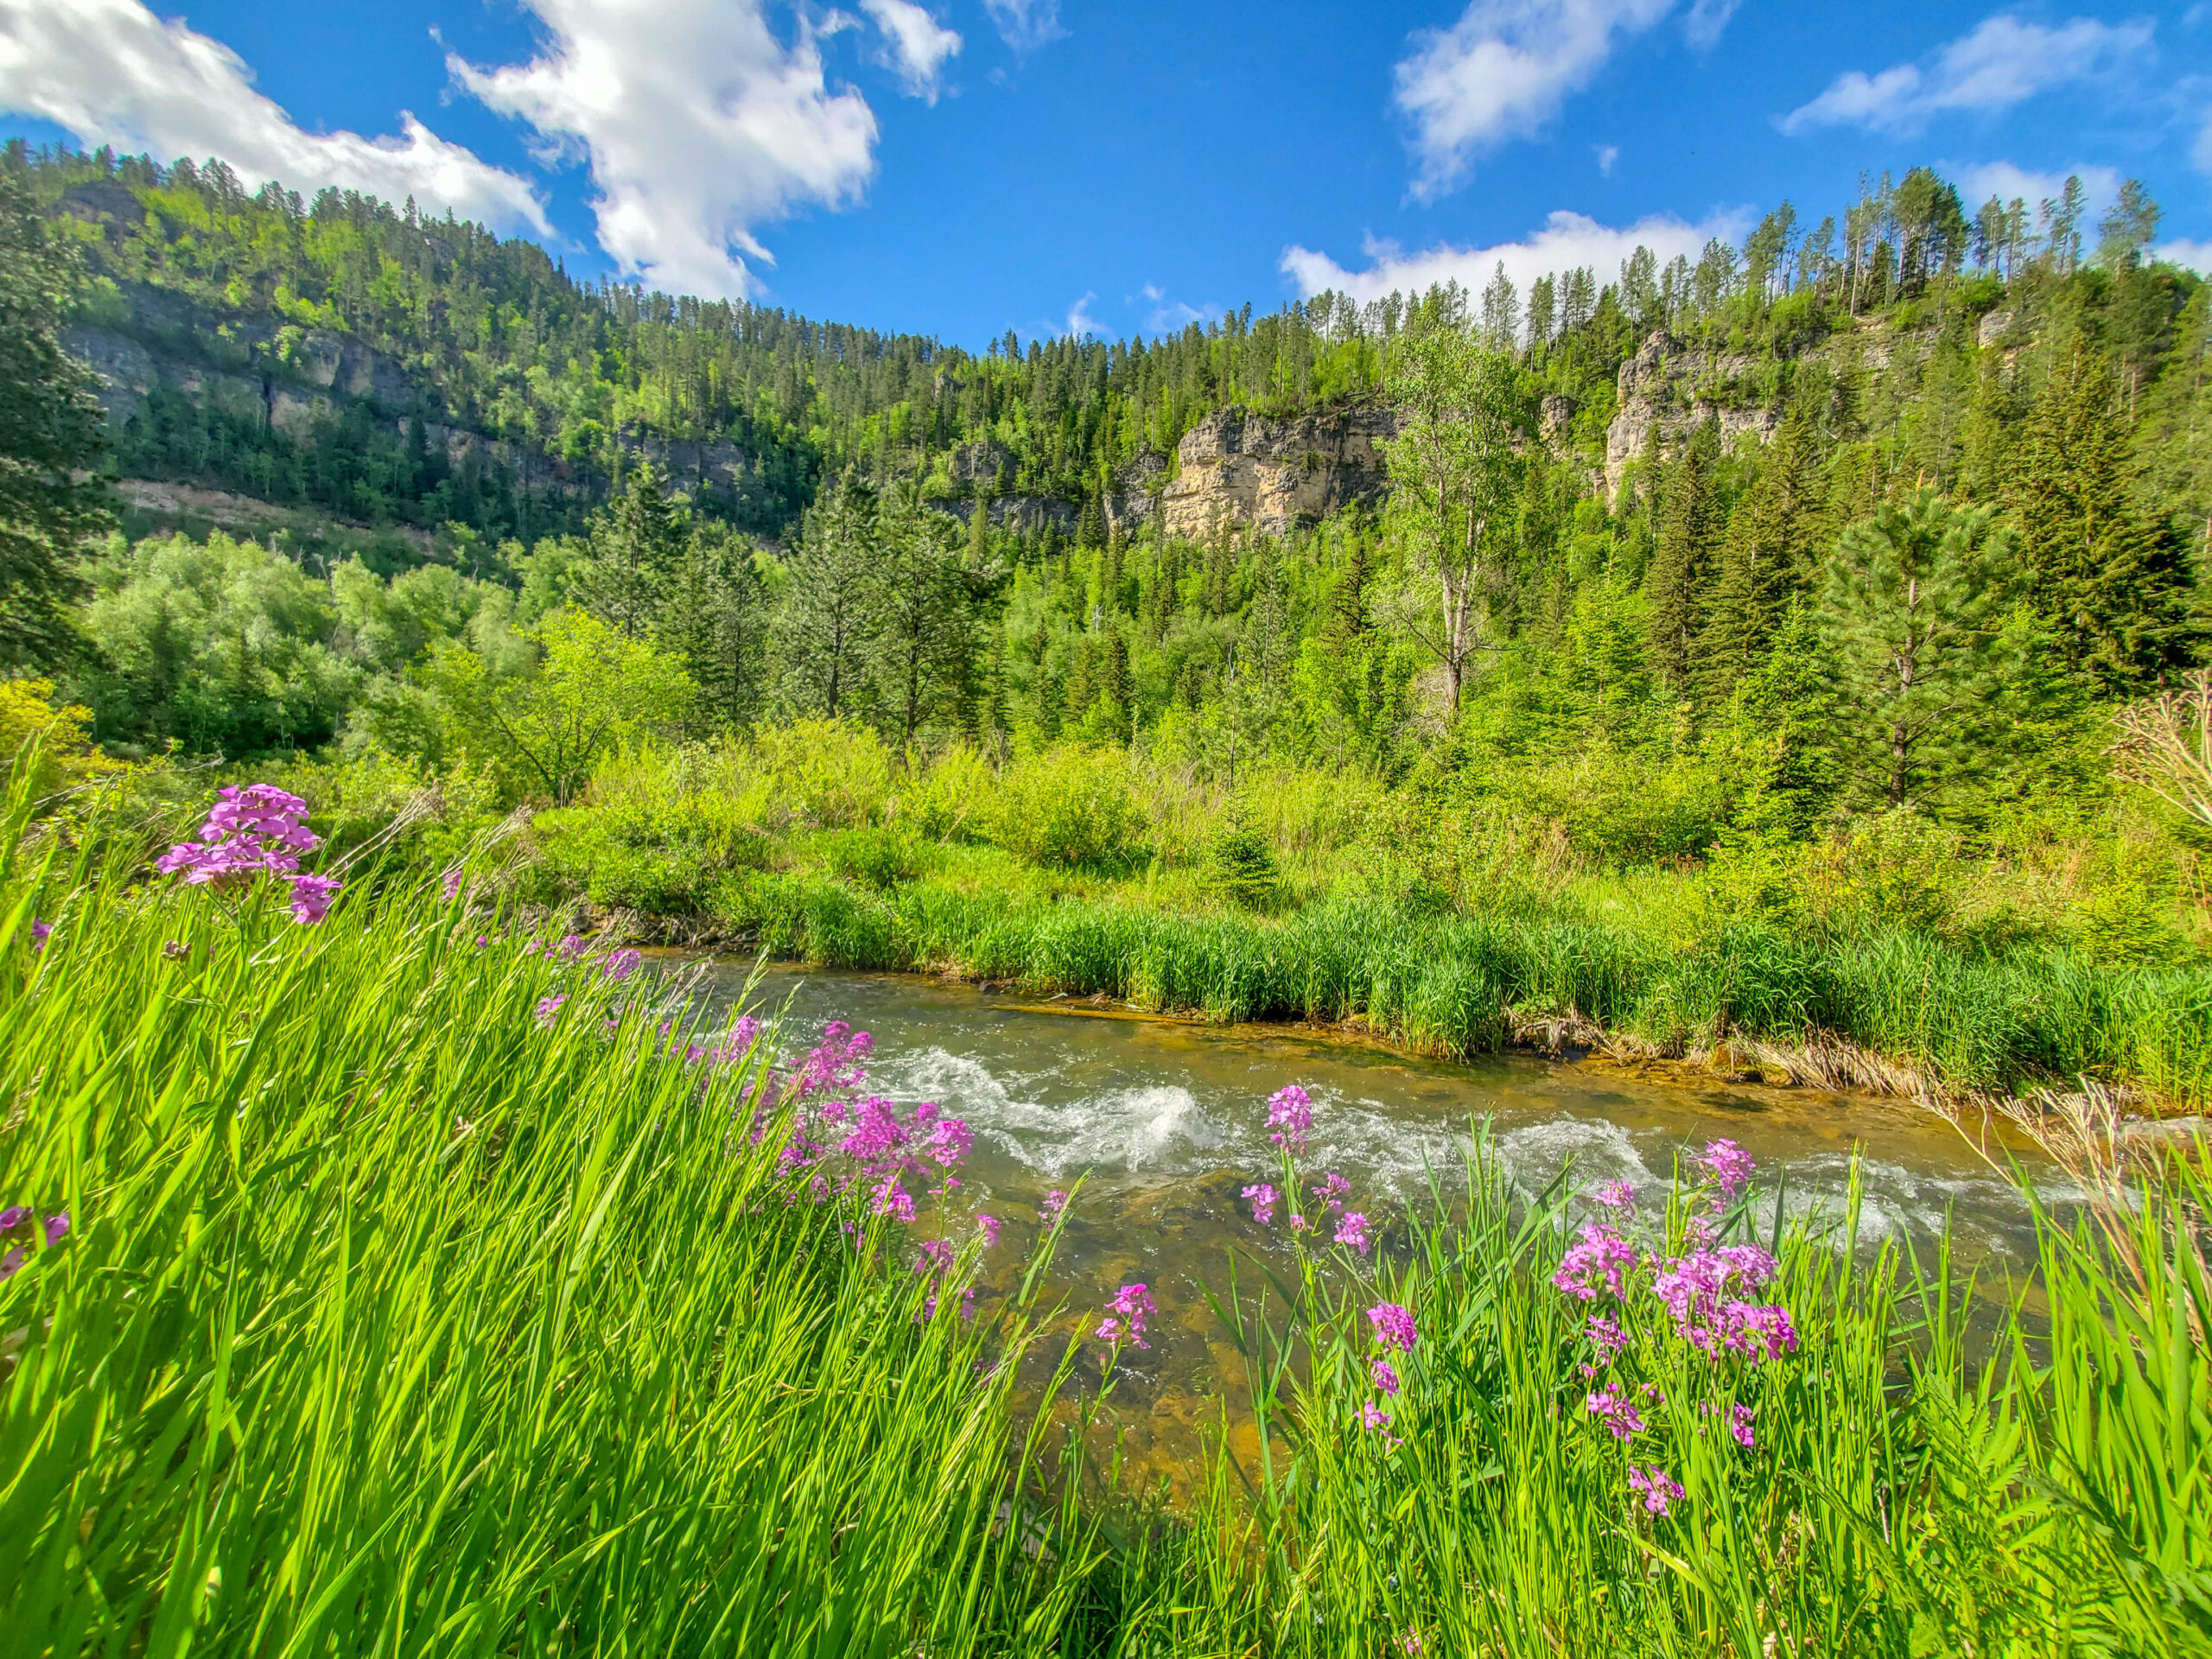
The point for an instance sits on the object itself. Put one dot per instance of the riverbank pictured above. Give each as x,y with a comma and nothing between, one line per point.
1894,1011
386,1276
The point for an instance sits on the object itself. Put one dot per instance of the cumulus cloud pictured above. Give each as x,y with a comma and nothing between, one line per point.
1568,241
1977,181
698,123
915,44
111,72
1505,68
2003,62
1025,25
2196,256
1080,322
1500,72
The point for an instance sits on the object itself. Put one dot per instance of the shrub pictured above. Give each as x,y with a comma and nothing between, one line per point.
1068,807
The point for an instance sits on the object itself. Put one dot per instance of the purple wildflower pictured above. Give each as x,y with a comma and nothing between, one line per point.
1290,1118
1661,1490
39,933
1352,1231
1299,1223
623,964
1619,1415
1381,1374
893,1200
1331,1190
990,1225
56,1226
311,897
1605,1335
1126,1314
1263,1203
572,946
1600,1262
14,1217
532,947
1055,1202
1727,1165
1394,1327
1373,1416
936,1257
450,883
1741,1420
11,1263
1617,1196
548,1007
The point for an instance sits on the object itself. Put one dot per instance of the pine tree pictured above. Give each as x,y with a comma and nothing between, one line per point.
1765,561
2111,585
1913,614
637,546
828,616
923,636
50,440
1681,558
715,623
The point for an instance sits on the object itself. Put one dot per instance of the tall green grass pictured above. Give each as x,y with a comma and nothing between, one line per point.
1455,984
390,1319
1913,1488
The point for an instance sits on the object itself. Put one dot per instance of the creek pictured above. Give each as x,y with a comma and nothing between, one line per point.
1166,1121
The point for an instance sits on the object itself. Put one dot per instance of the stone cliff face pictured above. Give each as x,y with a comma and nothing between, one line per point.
1236,470
1674,388
294,379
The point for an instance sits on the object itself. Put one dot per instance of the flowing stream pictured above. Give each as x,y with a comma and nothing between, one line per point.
1166,1121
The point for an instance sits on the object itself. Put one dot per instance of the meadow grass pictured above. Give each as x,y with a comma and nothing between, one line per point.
397,1315
2036,1485
1458,985
399,1310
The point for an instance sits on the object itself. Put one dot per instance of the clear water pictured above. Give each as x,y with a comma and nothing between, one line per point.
1166,1121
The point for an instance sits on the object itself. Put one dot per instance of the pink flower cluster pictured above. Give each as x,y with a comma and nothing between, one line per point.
1055,1205
1125,1317
1727,1165
1662,1491
1599,1262
254,831
1700,1290
881,1146
1618,1411
1263,1198
1394,1327
1352,1229
17,1218
1290,1118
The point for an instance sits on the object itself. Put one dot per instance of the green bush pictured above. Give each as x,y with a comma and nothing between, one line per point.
1069,808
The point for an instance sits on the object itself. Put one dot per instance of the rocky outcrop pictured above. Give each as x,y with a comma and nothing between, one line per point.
1676,390
1239,470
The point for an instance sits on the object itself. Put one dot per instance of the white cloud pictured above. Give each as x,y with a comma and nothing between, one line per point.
1569,240
111,72
2003,62
1980,181
1080,322
1500,72
1169,316
1025,25
699,125
915,45
1705,20
1607,155
2196,256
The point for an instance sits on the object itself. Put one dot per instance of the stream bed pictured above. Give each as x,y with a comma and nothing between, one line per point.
1165,1120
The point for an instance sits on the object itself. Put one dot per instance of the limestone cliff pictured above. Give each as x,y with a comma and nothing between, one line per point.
1677,389
1236,470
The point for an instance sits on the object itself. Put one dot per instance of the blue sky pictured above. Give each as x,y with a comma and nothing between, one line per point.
963,167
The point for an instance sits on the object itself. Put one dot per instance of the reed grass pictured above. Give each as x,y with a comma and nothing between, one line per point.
396,1314
393,1319
1460,985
